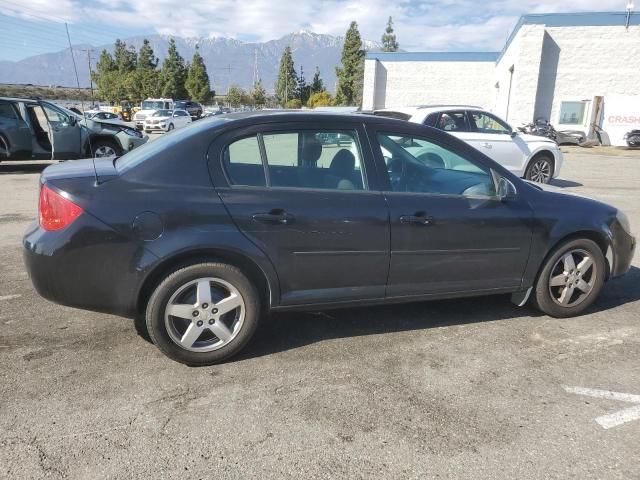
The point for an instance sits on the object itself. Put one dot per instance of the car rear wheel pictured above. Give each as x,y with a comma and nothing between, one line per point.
540,169
4,149
203,314
571,279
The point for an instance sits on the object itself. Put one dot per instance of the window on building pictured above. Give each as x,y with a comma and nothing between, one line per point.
572,113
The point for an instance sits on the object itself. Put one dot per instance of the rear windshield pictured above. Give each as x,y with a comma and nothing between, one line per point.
151,148
398,115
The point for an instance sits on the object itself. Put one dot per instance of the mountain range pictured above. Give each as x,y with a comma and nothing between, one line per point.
229,61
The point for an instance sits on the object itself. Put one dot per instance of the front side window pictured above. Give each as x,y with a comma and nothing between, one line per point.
572,113
484,122
417,165
54,115
298,159
452,122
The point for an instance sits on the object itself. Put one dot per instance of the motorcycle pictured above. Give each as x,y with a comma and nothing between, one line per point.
543,128
632,138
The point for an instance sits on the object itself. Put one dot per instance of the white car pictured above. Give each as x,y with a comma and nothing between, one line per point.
166,120
149,107
529,156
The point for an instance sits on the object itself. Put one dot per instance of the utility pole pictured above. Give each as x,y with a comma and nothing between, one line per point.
89,51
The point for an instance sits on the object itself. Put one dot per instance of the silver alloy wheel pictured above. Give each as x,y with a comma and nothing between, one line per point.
572,278
541,171
104,151
204,314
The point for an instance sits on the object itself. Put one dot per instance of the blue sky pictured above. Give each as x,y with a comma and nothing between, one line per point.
29,27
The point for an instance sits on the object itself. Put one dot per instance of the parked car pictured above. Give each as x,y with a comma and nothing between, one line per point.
194,108
40,129
166,120
205,230
528,156
632,138
149,107
100,115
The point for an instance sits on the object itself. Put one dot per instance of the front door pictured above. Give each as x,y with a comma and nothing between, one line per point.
450,233
64,132
494,138
303,197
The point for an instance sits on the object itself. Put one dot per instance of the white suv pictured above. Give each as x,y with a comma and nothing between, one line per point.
529,156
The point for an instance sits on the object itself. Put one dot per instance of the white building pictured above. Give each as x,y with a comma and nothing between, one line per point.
562,67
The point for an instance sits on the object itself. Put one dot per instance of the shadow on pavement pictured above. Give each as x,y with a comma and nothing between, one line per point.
557,182
23,167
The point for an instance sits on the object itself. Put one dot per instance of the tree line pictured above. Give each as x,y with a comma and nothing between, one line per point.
134,76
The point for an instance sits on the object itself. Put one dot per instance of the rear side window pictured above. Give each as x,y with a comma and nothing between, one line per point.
7,111
300,159
243,163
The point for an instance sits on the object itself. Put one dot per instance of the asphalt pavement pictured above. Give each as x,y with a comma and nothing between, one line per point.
473,388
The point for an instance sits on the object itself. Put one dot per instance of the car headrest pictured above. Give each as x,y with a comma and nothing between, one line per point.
343,163
311,151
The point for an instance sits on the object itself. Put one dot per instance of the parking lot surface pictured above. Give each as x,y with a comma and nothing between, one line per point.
473,388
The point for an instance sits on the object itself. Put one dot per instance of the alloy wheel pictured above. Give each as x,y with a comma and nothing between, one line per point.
572,278
204,314
104,151
541,171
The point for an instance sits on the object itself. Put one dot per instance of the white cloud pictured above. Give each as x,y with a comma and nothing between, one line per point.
419,24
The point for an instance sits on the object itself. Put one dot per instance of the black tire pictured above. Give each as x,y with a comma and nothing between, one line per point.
156,307
534,173
5,151
542,295
102,144
170,127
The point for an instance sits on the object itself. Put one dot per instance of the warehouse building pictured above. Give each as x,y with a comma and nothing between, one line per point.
573,69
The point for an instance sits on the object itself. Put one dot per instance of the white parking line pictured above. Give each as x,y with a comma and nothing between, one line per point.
10,297
616,418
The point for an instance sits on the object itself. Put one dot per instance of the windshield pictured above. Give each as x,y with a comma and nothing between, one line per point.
181,104
162,113
149,105
150,149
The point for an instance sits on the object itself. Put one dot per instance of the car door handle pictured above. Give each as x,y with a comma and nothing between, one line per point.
487,145
417,219
274,216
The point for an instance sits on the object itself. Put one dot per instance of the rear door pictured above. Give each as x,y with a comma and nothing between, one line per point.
15,134
307,197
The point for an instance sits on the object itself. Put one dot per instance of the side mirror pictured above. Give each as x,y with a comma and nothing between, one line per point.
513,133
505,189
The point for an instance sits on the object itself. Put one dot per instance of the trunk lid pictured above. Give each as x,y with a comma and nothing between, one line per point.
104,168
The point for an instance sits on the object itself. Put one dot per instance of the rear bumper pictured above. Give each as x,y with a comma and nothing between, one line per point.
87,265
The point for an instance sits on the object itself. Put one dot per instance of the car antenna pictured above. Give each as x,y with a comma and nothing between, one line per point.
93,158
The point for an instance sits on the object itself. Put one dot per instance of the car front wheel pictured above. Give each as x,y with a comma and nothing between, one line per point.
540,169
203,314
104,148
570,279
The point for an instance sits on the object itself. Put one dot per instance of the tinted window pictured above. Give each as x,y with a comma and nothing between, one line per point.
314,159
418,165
7,111
243,163
486,123
452,122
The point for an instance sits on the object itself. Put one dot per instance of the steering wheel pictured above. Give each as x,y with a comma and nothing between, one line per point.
395,168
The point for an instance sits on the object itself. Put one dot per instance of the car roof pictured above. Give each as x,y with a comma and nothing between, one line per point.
14,99
307,115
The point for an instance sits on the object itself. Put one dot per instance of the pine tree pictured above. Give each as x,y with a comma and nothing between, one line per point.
287,78
197,83
173,74
303,91
105,77
258,94
145,79
389,42
351,74
317,85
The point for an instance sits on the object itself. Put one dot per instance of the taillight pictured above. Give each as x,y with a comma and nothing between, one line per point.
55,211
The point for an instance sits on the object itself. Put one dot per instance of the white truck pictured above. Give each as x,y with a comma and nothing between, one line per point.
149,107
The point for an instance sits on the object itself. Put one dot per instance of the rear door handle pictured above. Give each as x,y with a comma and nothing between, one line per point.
417,219
274,216
487,145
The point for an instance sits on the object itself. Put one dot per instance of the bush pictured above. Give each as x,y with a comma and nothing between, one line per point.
319,99
293,103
